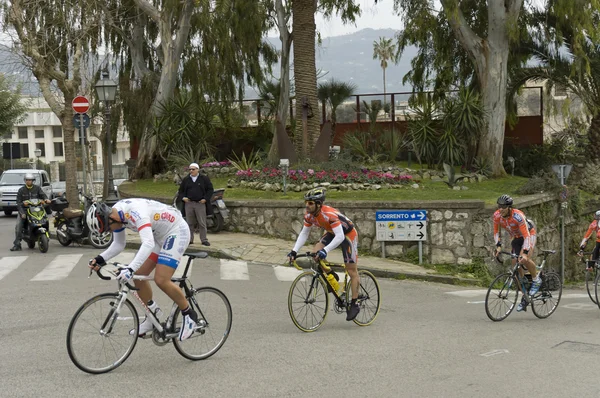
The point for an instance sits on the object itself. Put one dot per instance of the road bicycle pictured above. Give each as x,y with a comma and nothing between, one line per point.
308,299
104,330
503,292
591,274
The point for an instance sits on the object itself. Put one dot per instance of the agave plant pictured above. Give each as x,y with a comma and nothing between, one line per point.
246,163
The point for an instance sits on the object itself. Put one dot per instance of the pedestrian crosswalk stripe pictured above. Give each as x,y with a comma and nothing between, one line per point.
59,268
8,264
468,293
286,274
234,270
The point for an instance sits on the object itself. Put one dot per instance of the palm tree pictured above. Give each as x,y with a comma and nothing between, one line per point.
579,76
385,51
334,93
305,75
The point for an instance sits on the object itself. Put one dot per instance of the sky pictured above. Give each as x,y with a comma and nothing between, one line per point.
380,16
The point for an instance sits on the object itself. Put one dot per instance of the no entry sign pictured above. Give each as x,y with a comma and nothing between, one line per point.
80,104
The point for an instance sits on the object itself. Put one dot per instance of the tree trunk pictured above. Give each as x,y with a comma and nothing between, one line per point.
69,143
281,114
594,139
305,74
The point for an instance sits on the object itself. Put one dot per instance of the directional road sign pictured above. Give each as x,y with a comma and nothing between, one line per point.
80,104
77,121
401,225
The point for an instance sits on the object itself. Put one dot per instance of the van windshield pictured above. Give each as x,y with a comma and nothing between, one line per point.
16,179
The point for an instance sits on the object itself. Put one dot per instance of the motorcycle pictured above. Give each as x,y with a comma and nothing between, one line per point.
216,221
36,228
71,225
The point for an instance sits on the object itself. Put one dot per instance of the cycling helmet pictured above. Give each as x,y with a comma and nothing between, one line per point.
598,215
97,217
505,200
316,194
29,176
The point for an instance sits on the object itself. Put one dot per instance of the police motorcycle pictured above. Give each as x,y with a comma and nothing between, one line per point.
71,225
216,221
37,225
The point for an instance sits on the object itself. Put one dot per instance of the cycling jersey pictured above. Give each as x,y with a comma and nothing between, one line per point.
517,226
163,231
594,227
329,218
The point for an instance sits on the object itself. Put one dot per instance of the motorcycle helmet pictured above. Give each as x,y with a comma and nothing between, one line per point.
98,216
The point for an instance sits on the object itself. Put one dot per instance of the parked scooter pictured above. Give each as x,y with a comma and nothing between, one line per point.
71,225
216,221
36,228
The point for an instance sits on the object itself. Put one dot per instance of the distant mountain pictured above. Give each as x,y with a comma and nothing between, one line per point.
347,58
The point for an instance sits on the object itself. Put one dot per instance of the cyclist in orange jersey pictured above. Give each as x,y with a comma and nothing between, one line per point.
339,231
594,227
515,222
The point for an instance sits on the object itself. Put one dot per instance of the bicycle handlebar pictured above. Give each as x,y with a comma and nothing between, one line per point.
108,278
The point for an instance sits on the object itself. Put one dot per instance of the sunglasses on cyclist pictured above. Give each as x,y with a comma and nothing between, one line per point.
503,206
309,202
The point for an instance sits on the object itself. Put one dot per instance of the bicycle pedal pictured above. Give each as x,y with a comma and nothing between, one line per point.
145,336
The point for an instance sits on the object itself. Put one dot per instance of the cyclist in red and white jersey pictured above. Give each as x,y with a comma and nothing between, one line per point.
339,231
594,227
520,230
165,236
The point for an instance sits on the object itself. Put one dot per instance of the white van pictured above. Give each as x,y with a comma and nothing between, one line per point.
12,180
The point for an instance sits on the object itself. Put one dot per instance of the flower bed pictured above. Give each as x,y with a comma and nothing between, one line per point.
310,176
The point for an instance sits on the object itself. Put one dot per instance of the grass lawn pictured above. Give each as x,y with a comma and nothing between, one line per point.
488,191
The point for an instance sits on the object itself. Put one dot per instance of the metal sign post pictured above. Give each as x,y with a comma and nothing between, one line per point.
562,171
81,121
401,225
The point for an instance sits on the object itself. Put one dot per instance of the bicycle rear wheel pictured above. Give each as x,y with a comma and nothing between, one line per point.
308,301
214,324
590,283
98,338
369,298
501,297
545,302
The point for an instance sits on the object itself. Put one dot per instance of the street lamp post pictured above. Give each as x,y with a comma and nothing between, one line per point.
38,153
107,90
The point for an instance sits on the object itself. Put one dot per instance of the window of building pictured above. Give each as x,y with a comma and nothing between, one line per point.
22,133
40,145
24,150
560,90
58,149
57,131
39,133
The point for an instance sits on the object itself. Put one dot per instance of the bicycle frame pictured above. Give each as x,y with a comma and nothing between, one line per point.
515,270
321,268
161,328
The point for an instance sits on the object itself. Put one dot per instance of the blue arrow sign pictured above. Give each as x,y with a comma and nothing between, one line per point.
401,215
86,121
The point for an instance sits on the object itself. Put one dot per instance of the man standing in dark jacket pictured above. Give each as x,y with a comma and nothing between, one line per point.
196,190
26,192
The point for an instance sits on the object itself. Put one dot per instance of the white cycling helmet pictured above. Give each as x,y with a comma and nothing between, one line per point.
97,217
598,215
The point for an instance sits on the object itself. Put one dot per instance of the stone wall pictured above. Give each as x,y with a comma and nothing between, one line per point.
458,231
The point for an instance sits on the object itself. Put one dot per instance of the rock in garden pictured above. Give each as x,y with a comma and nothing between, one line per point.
415,186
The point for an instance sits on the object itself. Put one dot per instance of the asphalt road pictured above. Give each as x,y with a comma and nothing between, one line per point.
429,340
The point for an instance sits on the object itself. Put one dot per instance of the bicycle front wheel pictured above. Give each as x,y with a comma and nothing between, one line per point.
369,298
590,283
98,338
501,297
308,301
545,302
214,324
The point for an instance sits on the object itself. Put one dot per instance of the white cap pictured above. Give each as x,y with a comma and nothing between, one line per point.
194,165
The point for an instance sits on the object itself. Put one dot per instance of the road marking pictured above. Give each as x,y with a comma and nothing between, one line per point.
574,295
476,302
286,274
234,270
59,268
467,293
494,352
581,306
8,264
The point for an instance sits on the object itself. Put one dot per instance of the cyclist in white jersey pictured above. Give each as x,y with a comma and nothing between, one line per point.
165,236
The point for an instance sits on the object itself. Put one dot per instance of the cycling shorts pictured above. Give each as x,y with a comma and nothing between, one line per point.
517,243
349,245
169,250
